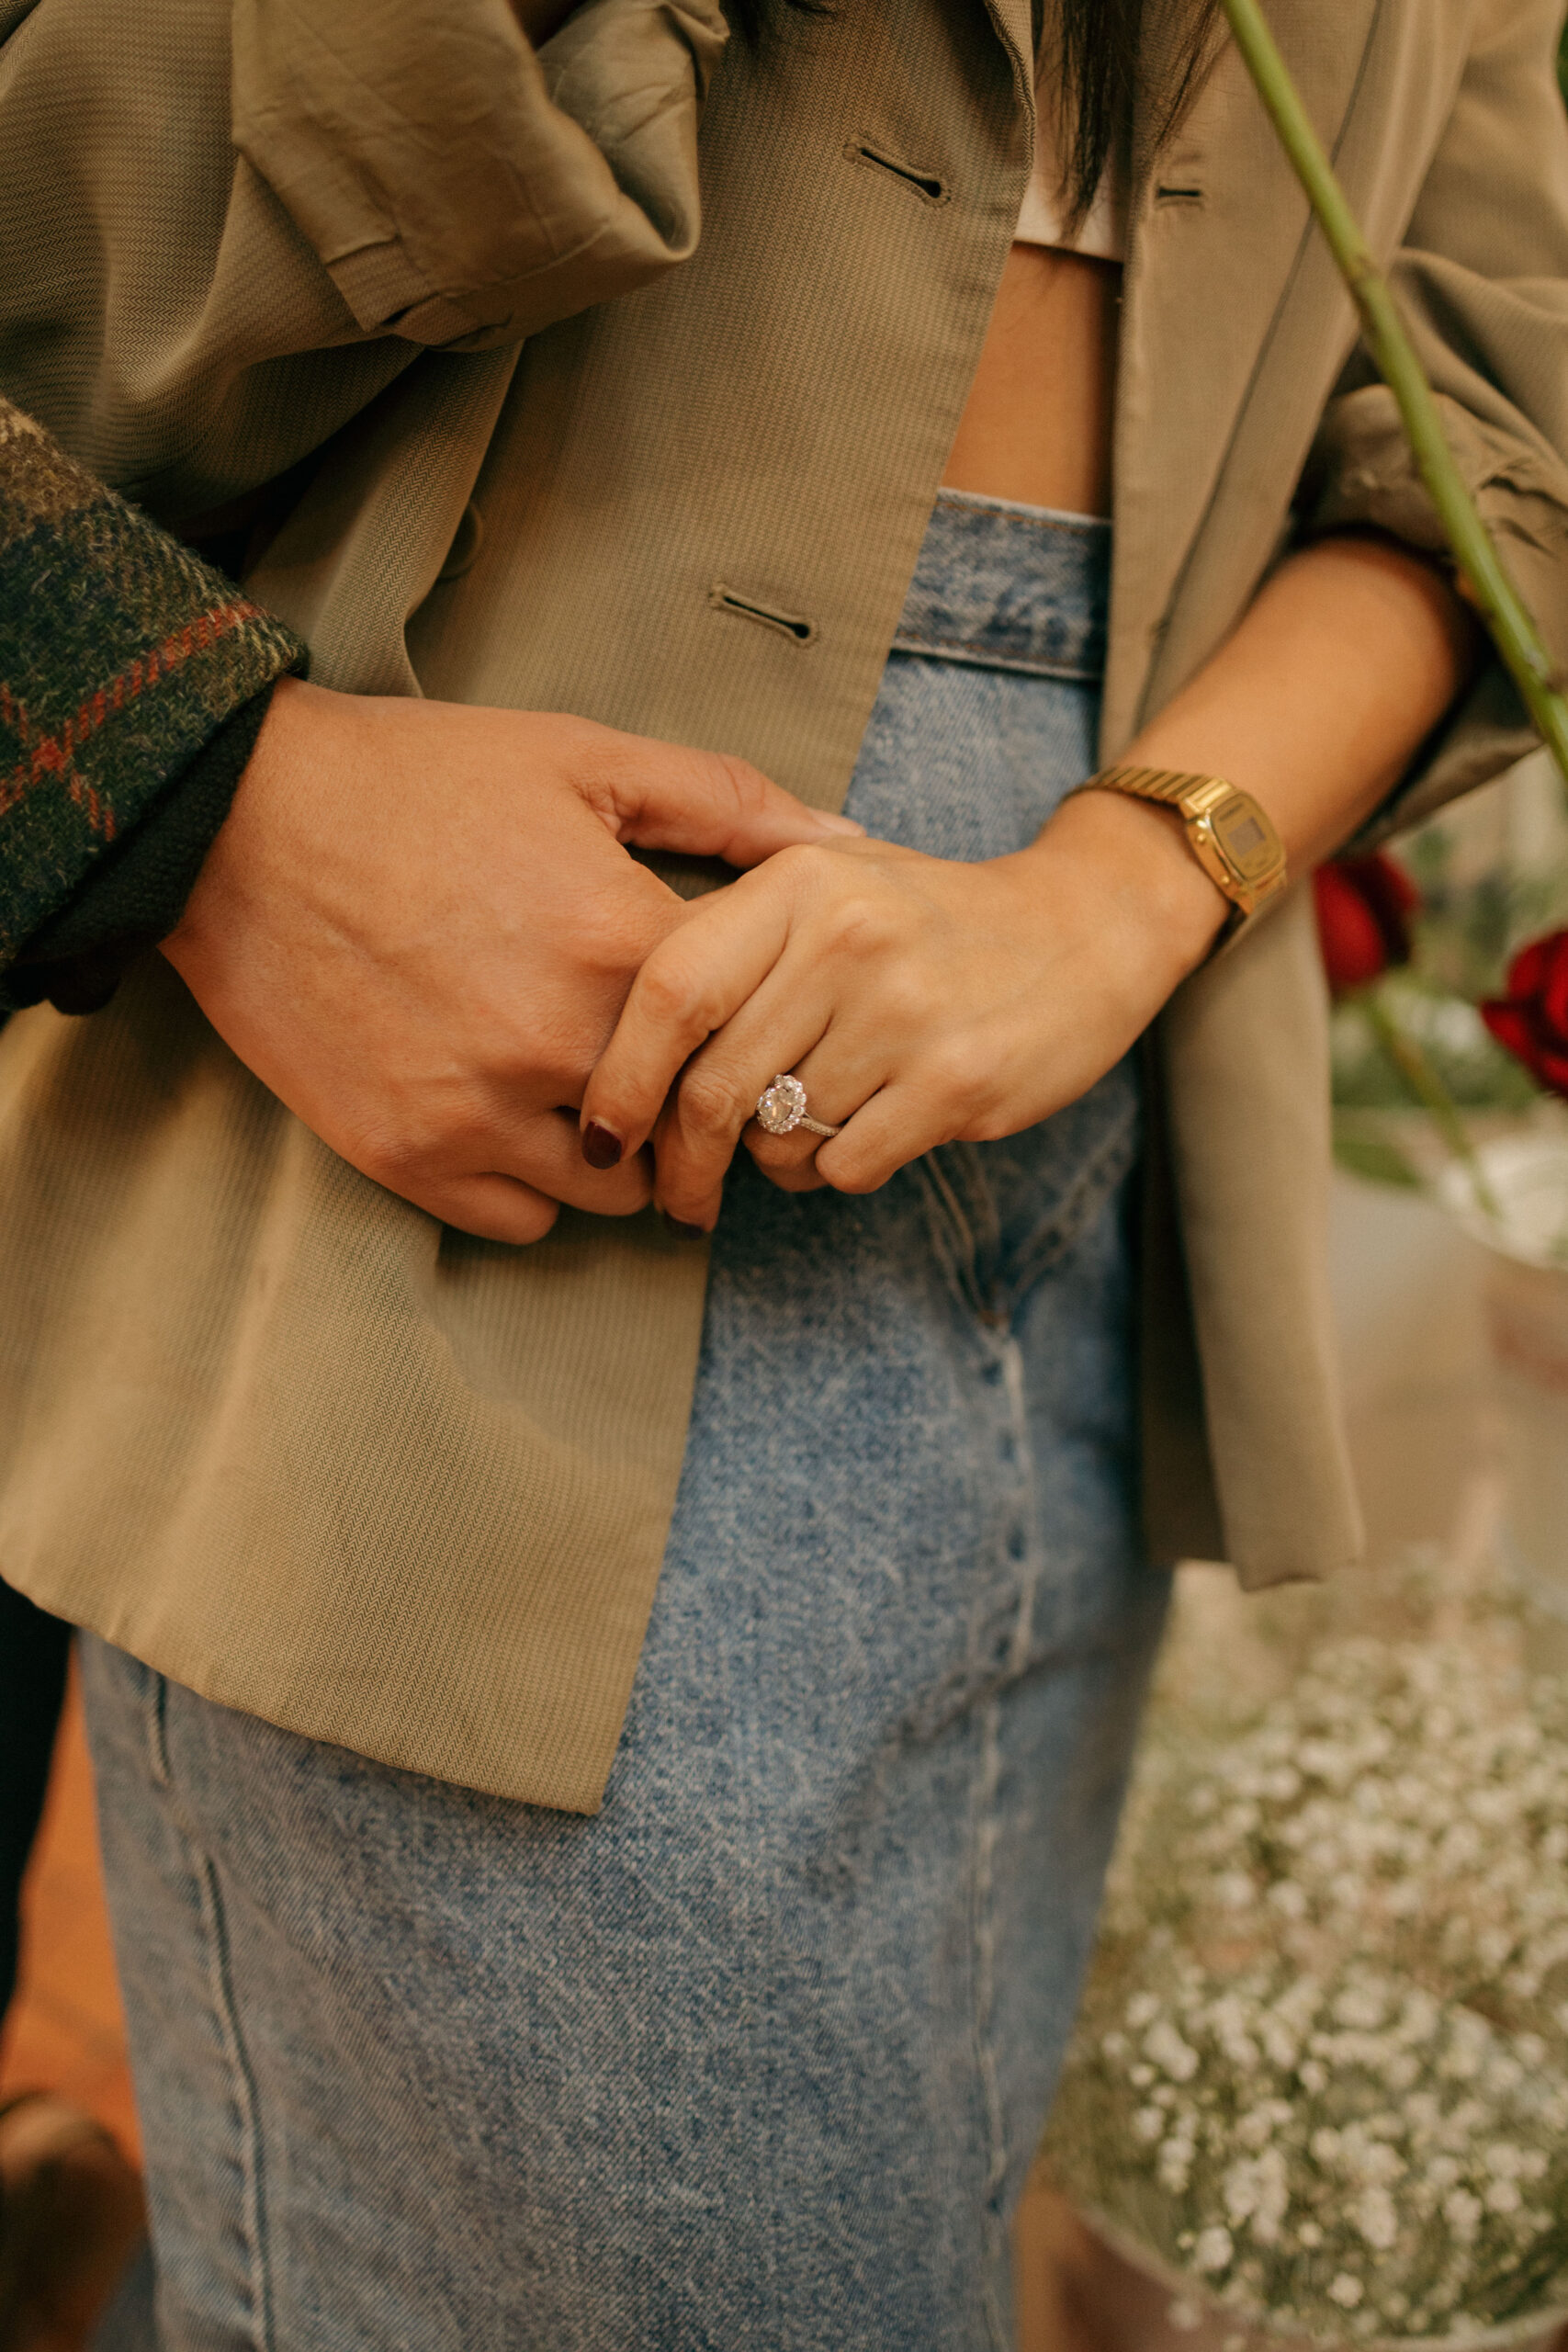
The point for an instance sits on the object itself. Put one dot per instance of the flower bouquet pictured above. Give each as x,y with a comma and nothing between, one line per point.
1449,971
1448,965
1319,2089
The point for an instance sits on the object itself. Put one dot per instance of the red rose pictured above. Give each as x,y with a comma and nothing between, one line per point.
1532,1018
1364,905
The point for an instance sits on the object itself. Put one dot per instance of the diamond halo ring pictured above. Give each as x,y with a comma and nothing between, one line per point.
781,1108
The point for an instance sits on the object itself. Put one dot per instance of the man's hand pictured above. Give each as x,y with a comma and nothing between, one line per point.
420,922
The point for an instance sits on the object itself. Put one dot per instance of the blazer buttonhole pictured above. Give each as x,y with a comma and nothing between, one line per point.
748,609
930,186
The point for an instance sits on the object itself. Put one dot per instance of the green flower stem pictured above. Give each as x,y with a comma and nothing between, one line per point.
1417,1070
1513,627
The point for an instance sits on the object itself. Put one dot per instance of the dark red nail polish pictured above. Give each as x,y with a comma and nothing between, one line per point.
683,1232
600,1148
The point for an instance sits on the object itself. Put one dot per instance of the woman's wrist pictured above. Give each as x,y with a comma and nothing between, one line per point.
1142,879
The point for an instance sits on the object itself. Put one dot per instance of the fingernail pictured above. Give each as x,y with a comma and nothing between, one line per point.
601,1148
837,824
683,1232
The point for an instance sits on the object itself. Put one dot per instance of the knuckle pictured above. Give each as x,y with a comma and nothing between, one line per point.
677,996
776,1152
668,990
864,924
533,1219
867,1176
988,1123
949,1078
610,931
747,786
801,866
708,1105
397,1157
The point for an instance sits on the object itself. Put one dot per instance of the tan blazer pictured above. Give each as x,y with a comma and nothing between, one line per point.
263,1423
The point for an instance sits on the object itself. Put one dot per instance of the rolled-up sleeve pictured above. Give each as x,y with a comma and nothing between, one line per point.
460,190
1481,282
227,230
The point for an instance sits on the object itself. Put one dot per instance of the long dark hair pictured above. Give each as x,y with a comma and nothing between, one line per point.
1093,50
1099,47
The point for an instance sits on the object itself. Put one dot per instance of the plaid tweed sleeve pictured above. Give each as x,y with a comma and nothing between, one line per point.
122,655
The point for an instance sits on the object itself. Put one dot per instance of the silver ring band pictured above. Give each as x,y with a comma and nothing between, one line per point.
781,1108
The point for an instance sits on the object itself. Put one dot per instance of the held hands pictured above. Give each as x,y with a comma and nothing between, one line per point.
421,919
917,998
920,1001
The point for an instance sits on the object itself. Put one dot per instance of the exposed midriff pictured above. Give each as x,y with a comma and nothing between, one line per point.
1037,424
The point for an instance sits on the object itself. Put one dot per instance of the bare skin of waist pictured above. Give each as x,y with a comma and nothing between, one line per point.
1037,424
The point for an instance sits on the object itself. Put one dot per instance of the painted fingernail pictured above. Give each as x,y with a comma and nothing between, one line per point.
683,1232
601,1148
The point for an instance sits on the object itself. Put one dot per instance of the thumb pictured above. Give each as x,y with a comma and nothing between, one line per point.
707,804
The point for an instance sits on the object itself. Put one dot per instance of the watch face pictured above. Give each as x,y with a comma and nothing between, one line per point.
1244,840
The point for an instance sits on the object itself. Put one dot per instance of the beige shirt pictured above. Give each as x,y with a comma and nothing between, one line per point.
264,1424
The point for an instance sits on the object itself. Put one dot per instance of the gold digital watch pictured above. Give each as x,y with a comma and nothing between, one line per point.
1232,838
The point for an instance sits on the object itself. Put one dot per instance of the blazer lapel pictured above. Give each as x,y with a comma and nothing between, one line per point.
1013,21
1219,232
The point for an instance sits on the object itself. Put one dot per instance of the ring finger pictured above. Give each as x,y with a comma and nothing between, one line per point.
716,1098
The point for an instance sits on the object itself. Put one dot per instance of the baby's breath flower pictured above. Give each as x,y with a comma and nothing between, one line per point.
1169,2053
1462,2212
1324,2062
1376,2218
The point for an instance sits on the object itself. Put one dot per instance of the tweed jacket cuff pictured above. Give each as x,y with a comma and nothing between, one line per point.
122,658
136,892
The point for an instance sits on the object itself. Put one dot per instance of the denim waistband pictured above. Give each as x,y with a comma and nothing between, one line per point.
1009,587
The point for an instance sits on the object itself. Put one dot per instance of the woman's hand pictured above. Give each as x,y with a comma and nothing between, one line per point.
916,1000
420,922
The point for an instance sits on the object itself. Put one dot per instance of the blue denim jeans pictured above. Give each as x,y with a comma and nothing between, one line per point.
756,2059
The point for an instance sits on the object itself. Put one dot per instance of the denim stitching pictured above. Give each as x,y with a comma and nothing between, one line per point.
226,2013
1082,1202
243,2091
993,2223
156,1713
1029,1584
953,1236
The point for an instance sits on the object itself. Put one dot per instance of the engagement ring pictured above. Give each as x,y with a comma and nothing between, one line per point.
781,1108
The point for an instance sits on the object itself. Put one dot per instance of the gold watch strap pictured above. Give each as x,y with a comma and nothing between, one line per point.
1232,837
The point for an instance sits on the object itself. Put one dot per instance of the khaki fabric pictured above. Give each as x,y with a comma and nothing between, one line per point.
262,1423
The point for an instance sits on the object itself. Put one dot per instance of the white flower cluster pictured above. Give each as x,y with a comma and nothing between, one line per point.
1323,2063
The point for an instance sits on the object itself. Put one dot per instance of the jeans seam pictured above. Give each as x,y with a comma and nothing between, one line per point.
951,1231
993,2223
225,2010
965,1231
1082,1202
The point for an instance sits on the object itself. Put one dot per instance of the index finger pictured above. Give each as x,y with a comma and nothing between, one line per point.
688,987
